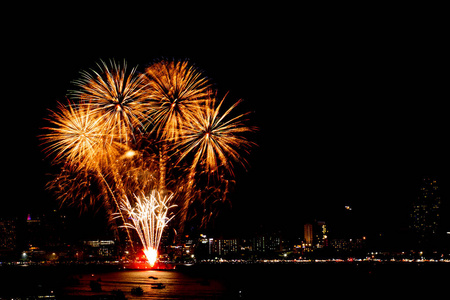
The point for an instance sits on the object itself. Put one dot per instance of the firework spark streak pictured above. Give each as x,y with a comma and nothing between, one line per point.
78,137
176,89
119,96
214,138
148,217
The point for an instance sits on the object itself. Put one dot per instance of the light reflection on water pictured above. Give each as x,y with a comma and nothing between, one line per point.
177,285
228,281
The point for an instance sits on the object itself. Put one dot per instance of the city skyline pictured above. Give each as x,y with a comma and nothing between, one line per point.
425,224
50,238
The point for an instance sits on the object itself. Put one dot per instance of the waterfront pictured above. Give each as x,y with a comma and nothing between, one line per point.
231,281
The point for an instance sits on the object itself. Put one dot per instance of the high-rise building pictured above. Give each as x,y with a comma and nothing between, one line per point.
322,234
308,233
425,215
8,235
222,247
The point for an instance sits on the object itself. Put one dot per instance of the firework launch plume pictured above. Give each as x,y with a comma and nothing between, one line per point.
148,216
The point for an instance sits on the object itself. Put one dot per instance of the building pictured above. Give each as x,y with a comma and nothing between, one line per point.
8,235
308,234
348,246
46,231
100,249
426,209
322,235
222,247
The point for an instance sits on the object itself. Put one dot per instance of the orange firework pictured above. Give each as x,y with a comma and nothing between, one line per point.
215,139
175,90
129,134
118,96
78,137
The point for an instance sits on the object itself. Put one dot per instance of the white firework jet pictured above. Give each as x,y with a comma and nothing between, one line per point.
148,216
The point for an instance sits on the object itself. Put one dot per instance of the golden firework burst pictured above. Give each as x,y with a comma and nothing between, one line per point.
175,90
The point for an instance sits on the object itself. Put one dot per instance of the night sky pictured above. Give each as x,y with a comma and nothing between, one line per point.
351,108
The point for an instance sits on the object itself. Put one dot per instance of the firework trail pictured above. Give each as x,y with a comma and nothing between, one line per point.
148,217
81,140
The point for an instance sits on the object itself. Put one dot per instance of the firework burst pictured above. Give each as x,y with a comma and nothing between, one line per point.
78,137
215,139
176,89
117,95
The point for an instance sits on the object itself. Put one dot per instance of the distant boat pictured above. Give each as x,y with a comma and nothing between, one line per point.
158,286
138,291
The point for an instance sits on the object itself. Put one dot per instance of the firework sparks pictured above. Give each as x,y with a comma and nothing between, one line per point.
78,137
119,96
148,217
175,91
215,139
128,134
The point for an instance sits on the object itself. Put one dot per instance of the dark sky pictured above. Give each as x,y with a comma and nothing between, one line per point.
351,106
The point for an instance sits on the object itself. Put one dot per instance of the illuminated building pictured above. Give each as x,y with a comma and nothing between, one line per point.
425,215
259,244
8,235
308,234
46,231
100,248
34,232
222,247
348,245
322,235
